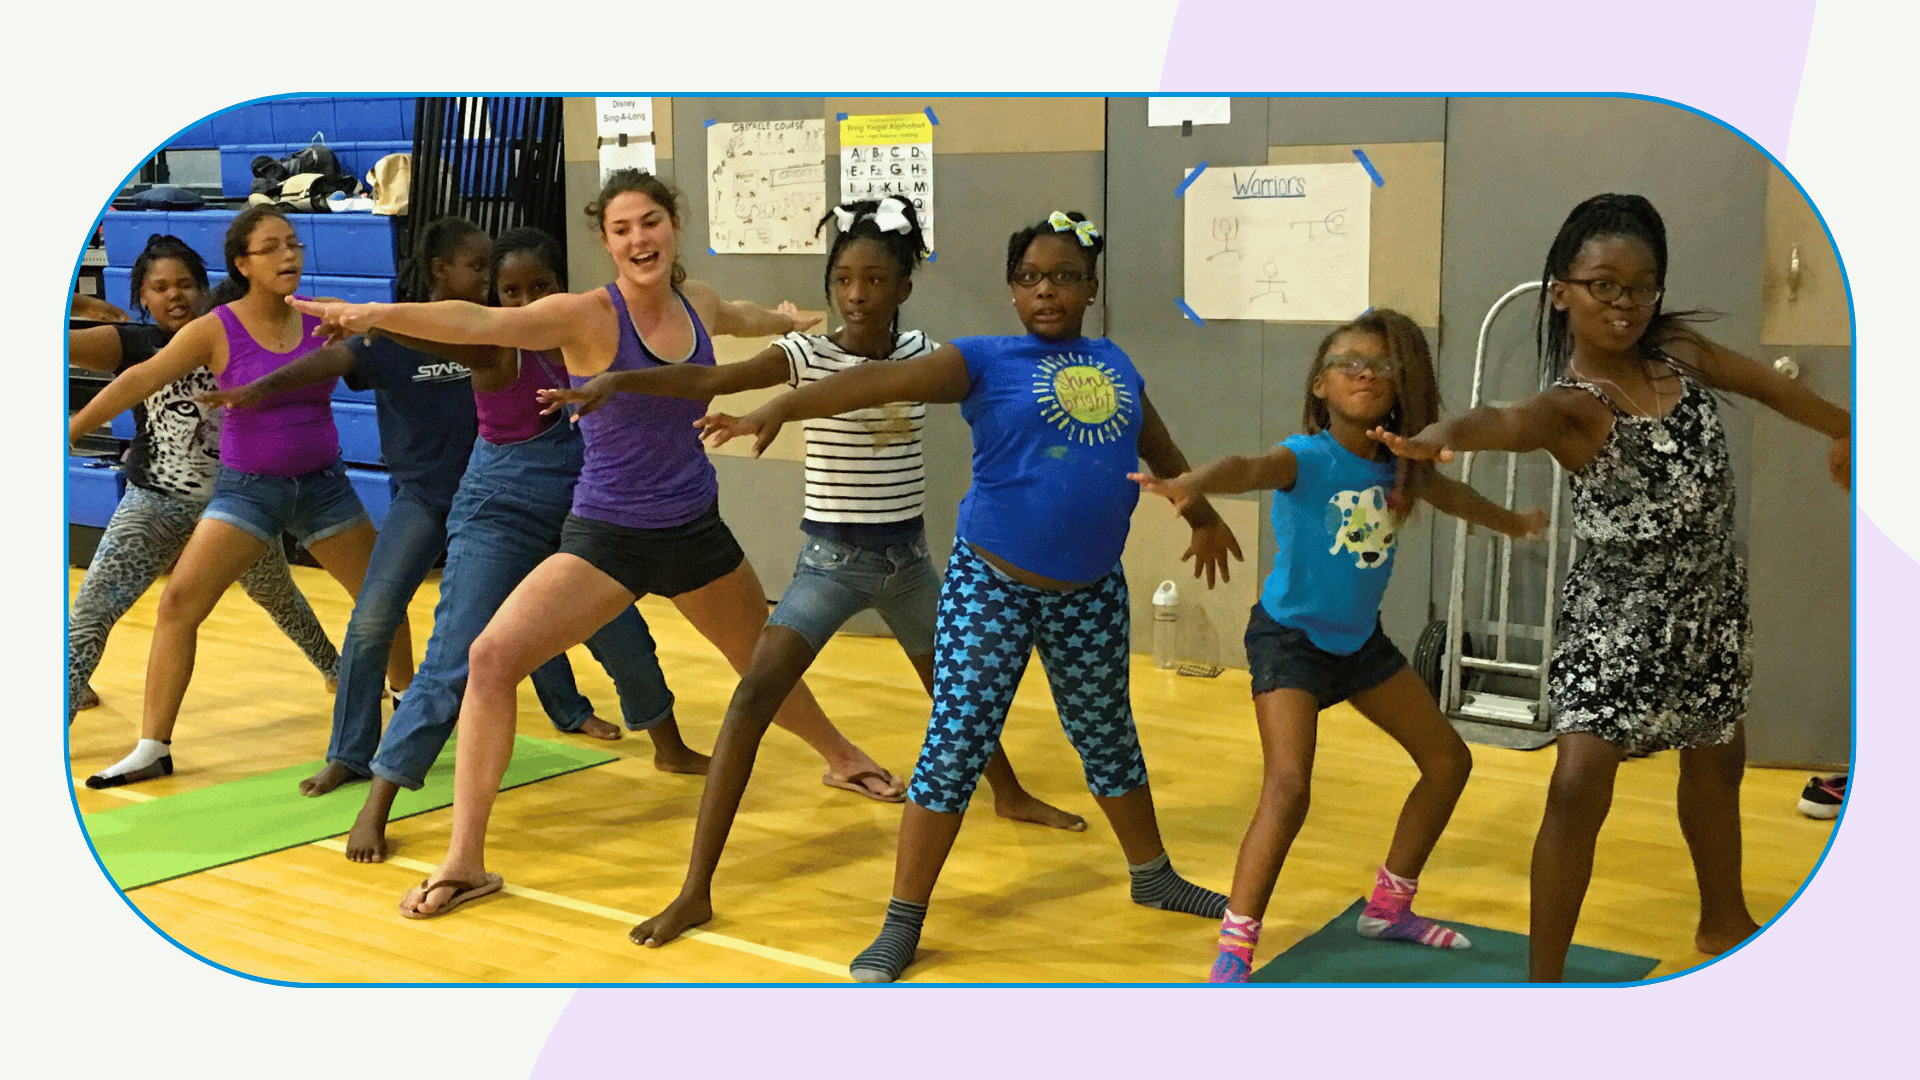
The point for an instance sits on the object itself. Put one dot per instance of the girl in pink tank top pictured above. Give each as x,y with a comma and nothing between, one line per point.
283,474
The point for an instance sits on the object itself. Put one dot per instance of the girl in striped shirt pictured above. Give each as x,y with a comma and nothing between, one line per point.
866,545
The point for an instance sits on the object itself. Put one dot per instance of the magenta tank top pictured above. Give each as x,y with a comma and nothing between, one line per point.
511,414
289,434
645,466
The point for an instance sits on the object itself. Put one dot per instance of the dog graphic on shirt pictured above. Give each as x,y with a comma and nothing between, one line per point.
1362,525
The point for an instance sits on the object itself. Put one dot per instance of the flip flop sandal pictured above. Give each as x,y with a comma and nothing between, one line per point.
853,784
463,891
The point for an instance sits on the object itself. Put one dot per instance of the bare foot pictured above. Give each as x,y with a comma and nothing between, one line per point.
1022,806
680,916
368,840
596,728
88,700
328,778
684,759
1714,940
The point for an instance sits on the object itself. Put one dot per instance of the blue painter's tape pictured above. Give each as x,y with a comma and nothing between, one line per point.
710,123
1182,189
1188,312
930,116
1368,165
710,251
839,116
932,255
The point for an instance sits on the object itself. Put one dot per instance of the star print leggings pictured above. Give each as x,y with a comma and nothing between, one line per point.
986,629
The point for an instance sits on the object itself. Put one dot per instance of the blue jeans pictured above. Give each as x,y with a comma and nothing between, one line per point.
833,581
313,507
506,520
411,538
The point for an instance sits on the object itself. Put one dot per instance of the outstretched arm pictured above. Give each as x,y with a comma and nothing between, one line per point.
552,322
190,348
938,377
698,381
1450,496
321,365
1748,377
742,318
1559,421
97,348
1212,539
96,309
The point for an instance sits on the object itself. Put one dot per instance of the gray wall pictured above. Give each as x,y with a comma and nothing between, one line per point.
1514,167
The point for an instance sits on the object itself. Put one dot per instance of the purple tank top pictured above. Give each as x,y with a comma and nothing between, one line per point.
645,465
289,434
511,414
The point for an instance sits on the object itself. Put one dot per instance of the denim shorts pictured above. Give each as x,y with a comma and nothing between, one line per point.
1282,658
312,507
658,562
834,580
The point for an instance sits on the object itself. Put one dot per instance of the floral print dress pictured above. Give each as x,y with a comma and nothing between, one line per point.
1651,647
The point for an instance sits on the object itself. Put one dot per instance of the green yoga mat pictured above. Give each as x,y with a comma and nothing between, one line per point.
148,842
1335,953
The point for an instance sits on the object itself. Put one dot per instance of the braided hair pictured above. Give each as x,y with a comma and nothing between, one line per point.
1631,217
1018,243
908,248
531,241
440,240
1416,392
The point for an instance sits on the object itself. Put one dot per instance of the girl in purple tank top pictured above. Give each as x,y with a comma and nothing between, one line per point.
646,523
278,474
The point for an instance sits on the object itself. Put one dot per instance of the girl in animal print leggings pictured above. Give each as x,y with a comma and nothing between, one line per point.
170,471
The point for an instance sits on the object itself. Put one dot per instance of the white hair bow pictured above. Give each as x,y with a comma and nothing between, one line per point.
889,216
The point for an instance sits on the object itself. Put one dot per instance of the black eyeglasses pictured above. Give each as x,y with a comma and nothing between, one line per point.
1027,279
294,246
1384,367
1607,290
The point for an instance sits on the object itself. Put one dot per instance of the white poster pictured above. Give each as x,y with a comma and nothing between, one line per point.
617,116
1280,243
766,186
892,155
1174,111
634,155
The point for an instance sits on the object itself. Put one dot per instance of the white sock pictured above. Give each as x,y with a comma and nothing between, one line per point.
145,753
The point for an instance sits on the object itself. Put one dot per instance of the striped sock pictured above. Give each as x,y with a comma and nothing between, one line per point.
1155,885
1238,936
887,958
1389,916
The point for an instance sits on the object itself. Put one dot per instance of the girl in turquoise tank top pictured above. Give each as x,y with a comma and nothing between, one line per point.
1314,640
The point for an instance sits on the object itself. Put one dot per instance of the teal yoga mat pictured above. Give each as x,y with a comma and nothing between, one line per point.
148,842
1335,953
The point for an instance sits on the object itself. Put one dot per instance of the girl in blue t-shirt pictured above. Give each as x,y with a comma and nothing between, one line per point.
1059,421
1314,639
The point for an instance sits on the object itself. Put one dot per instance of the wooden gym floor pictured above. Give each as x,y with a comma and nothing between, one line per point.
806,874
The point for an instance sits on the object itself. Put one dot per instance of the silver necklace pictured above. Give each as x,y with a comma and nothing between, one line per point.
1656,425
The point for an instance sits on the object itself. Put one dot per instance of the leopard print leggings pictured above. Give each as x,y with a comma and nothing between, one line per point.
146,533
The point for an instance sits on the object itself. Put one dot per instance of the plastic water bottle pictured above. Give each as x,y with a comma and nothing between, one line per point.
1166,625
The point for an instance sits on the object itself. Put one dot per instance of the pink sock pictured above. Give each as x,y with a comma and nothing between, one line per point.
1389,916
1238,936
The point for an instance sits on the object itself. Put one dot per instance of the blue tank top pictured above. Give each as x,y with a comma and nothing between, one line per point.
645,465
1334,540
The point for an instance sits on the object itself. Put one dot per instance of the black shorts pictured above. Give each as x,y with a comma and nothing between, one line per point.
660,562
1282,658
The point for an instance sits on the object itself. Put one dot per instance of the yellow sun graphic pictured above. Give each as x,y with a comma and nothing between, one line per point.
1083,397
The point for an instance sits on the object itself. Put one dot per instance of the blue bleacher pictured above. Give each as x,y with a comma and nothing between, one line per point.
349,256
